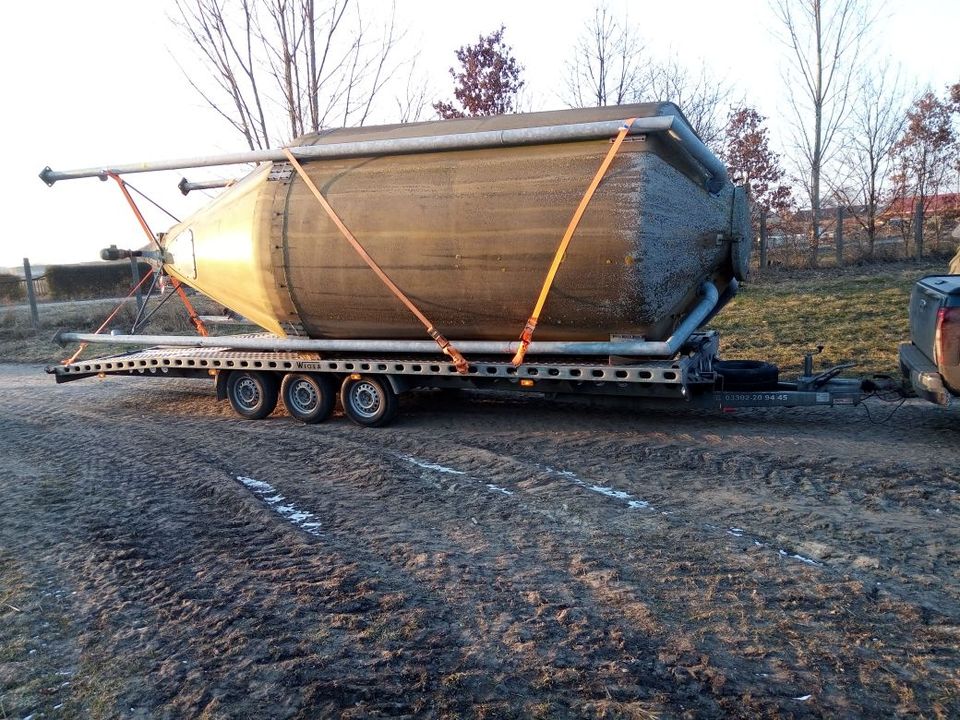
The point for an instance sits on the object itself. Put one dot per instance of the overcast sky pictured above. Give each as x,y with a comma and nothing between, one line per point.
97,82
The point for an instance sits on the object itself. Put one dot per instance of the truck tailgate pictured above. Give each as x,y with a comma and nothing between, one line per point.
929,295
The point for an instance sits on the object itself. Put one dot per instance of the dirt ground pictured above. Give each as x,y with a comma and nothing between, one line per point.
486,556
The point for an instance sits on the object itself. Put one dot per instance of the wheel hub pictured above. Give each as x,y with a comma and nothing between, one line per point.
304,397
366,399
248,393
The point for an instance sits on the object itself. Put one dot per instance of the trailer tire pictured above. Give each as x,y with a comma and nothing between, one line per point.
308,397
368,400
252,395
746,375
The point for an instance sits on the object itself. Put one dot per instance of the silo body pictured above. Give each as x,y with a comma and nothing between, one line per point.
468,235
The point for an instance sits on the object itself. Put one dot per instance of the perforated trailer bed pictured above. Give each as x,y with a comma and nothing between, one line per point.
368,387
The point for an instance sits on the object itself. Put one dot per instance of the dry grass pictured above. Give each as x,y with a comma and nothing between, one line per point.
858,314
20,343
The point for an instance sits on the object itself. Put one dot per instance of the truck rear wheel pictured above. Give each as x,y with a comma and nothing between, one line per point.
309,398
252,395
368,400
746,375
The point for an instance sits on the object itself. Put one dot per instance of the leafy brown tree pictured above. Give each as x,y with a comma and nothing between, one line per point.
487,82
927,149
750,160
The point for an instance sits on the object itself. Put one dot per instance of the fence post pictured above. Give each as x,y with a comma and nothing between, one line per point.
763,239
918,230
838,236
135,272
31,295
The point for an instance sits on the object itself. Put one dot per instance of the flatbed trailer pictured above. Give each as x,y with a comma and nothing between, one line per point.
310,383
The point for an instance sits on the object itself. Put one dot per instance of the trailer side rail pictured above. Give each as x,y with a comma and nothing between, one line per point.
179,362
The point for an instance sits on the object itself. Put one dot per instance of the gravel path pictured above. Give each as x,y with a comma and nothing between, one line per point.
484,557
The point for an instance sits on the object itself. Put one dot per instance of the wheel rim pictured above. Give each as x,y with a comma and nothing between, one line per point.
247,393
303,397
366,399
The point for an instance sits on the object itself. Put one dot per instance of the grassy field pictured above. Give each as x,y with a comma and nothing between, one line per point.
859,314
20,343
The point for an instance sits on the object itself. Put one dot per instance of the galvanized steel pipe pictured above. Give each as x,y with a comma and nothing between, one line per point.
675,127
188,186
646,348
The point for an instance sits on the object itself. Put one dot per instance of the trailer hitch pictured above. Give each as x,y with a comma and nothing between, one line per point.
809,381
827,375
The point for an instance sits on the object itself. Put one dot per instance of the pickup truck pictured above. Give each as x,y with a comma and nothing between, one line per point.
931,361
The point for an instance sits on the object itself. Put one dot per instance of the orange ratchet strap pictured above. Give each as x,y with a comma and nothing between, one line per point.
83,346
527,335
445,346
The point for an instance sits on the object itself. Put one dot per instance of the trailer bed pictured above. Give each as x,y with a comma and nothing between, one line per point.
689,378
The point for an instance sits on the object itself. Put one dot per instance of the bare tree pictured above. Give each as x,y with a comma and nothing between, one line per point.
704,98
412,102
609,66
281,68
606,66
876,122
824,38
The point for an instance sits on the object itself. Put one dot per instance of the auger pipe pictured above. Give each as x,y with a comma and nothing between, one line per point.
674,126
186,186
644,348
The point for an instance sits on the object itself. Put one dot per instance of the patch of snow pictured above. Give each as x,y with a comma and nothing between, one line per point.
801,558
257,485
450,471
303,519
605,490
610,492
431,466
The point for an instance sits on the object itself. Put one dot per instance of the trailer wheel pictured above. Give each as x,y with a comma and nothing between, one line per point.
252,395
309,398
746,375
368,401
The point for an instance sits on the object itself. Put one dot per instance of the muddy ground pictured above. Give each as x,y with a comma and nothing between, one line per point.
484,557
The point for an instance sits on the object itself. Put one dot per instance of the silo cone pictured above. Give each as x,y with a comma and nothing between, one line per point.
468,235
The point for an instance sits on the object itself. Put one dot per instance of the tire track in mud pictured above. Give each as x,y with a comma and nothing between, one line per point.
131,565
161,600
820,501
589,601
737,570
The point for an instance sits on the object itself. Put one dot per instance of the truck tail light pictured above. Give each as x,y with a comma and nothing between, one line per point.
947,342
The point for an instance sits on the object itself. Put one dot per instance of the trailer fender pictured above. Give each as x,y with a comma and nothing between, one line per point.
220,382
398,383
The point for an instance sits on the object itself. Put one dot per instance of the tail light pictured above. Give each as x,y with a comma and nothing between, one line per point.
947,342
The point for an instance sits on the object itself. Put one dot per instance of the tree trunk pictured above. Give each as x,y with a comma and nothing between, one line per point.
838,236
763,239
918,229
